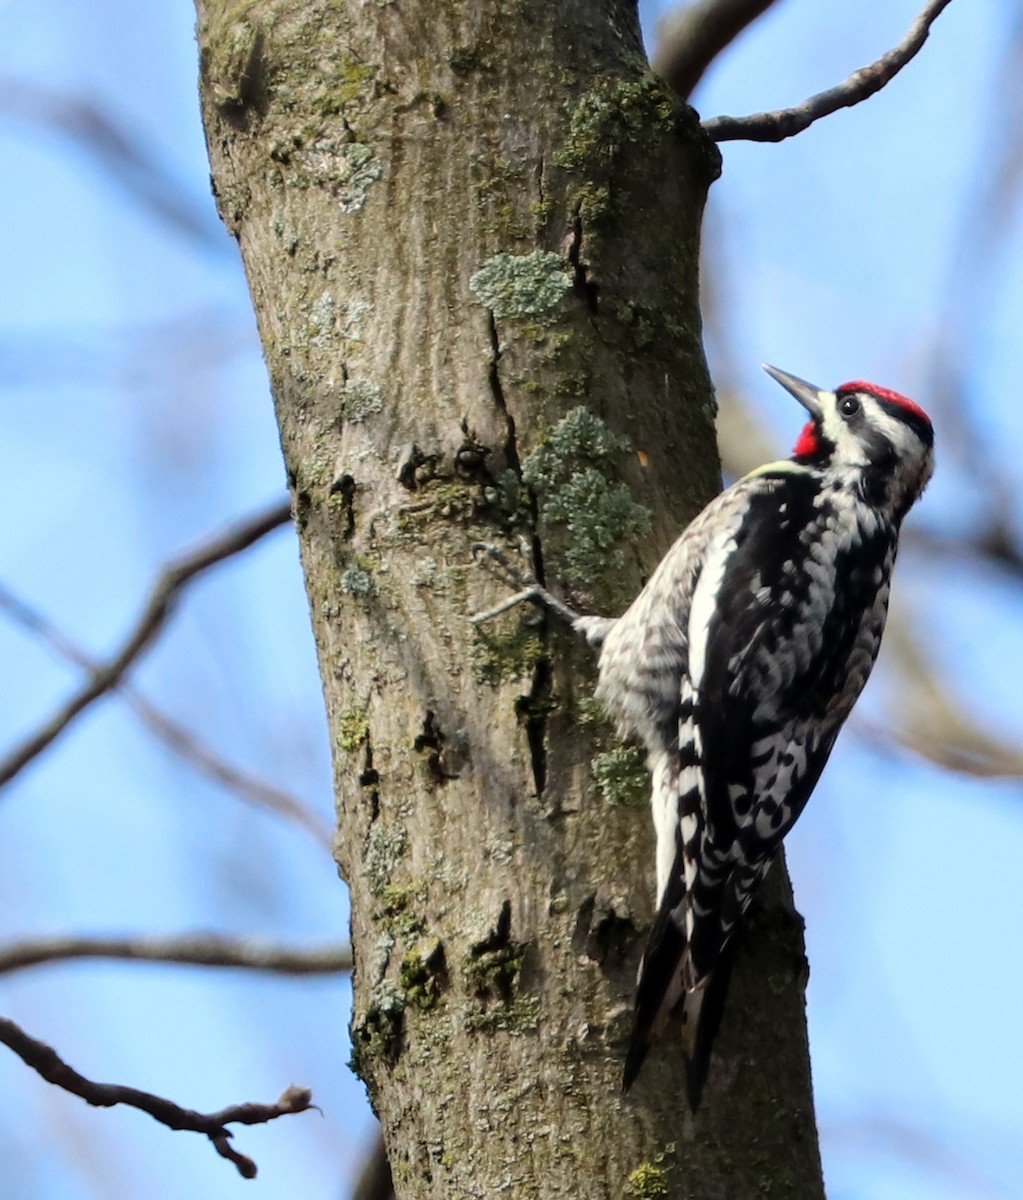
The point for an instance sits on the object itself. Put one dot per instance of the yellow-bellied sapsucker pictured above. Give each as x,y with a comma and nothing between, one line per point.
739,661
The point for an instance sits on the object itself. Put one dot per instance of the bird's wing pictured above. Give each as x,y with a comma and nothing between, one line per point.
788,642
782,627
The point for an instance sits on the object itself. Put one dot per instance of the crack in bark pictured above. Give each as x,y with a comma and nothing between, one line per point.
499,936
344,487
430,743
417,468
495,961
532,709
582,285
602,932
370,778
511,447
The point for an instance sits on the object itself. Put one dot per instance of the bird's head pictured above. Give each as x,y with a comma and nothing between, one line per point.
881,439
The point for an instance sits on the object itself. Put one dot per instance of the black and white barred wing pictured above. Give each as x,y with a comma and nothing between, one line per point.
644,672
769,623
791,633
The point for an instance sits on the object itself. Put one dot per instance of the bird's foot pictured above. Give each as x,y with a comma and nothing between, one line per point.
528,589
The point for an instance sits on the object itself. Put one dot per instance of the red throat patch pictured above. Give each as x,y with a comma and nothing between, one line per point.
809,442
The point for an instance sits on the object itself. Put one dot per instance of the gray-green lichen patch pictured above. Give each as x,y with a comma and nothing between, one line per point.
377,1036
520,1015
400,906
612,127
322,319
356,582
360,398
341,327
360,168
351,84
384,850
522,286
615,111
353,322
509,499
573,474
621,775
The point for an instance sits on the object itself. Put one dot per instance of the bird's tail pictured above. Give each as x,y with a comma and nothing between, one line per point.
661,989
701,1019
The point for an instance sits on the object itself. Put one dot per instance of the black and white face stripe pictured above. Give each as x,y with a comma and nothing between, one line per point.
911,415
867,428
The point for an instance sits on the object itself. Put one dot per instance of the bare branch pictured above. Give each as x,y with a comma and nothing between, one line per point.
165,591
861,84
46,1062
187,745
199,949
691,36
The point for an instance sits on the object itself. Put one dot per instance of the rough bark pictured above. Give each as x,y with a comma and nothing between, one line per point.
471,234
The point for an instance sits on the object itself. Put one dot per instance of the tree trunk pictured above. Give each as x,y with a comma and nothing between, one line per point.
471,234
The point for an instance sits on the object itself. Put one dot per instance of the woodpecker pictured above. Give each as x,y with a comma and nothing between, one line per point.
736,666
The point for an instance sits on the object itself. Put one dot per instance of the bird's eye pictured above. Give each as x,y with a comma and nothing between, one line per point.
849,406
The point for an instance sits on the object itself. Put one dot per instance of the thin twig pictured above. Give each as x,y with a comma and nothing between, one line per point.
200,949
691,36
171,581
861,84
47,1063
183,742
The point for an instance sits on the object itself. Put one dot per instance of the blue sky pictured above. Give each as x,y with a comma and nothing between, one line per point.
136,418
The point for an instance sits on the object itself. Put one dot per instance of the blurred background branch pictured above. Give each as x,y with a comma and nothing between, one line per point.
691,36
123,155
171,581
195,949
183,742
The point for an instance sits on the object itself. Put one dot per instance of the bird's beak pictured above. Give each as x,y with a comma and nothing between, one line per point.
810,397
